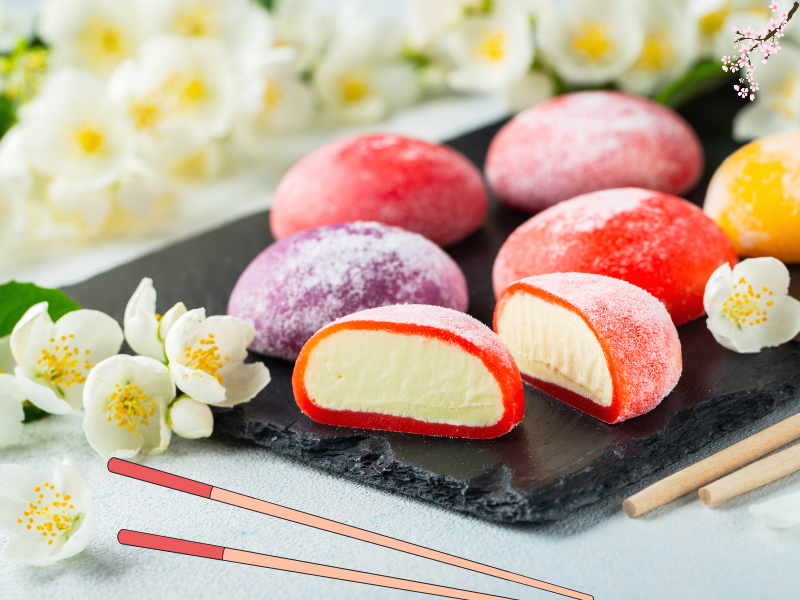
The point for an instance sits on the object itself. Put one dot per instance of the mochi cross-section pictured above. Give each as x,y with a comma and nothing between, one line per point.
410,368
599,344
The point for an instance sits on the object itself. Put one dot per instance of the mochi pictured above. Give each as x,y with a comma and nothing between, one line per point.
599,344
426,188
653,240
587,141
300,284
410,368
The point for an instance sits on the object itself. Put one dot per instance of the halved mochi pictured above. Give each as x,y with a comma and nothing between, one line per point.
410,368
599,344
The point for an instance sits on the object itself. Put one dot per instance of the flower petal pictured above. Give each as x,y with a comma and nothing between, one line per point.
94,331
28,550
11,413
156,439
763,272
141,325
181,332
198,384
169,319
31,334
243,382
191,419
41,395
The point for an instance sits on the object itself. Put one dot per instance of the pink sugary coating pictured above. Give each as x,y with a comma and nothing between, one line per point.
656,241
637,335
302,283
426,188
449,322
587,141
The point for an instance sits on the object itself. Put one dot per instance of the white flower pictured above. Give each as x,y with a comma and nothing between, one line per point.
11,413
749,307
54,359
190,419
670,41
177,95
535,87
52,517
780,513
491,50
361,77
777,105
91,34
126,401
145,331
70,130
206,359
300,28
140,187
429,21
710,16
590,42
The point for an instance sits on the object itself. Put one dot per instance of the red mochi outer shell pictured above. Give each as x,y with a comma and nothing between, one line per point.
426,188
588,141
639,341
429,321
656,241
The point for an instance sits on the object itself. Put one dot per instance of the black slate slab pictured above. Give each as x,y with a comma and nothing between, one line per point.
558,459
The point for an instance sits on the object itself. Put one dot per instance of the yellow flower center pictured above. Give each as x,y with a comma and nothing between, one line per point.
747,306
129,406
61,367
780,96
206,357
271,98
88,139
196,18
656,53
353,87
592,40
711,23
491,47
48,514
145,114
102,41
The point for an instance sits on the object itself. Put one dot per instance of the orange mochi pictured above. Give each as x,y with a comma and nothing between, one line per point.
754,197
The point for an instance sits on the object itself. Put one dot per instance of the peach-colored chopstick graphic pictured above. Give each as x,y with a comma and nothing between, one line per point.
168,544
190,486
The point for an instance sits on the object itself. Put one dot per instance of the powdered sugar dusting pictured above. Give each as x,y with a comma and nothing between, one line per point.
298,285
449,322
426,188
644,349
653,240
589,141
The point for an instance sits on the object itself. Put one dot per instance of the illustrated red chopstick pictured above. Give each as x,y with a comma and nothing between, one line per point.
168,544
128,469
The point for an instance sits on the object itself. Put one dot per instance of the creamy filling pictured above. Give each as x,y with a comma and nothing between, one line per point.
555,345
404,376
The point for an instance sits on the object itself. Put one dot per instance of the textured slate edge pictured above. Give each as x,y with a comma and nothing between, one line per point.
490,496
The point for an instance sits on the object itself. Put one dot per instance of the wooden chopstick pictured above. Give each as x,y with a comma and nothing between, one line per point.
713,467
752,476
128,469
168,544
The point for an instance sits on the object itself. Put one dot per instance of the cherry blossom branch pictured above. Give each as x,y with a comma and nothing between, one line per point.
765,41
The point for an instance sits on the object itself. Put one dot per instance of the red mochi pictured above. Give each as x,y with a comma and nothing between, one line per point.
426,188
332,352
655,241
587,141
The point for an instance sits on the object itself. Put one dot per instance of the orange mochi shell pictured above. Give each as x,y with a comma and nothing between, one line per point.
435,322
635,332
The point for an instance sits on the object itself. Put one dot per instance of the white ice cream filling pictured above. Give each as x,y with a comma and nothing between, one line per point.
404,376
555,345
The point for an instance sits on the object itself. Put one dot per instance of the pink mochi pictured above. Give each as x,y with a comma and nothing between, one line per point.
589,141
304,282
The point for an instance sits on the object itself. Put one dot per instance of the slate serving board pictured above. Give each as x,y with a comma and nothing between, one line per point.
558,459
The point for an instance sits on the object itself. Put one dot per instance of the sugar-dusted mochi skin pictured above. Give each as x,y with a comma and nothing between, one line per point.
587,141
411,368
426,188
300,284
596,343
655,241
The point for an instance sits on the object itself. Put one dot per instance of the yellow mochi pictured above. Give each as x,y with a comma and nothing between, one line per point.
755,198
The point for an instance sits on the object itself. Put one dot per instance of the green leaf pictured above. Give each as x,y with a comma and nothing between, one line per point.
32,413
16,298
705,76
268,4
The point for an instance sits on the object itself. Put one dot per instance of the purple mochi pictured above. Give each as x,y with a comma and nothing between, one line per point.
300,284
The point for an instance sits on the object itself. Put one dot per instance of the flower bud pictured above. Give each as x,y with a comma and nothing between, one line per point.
191,419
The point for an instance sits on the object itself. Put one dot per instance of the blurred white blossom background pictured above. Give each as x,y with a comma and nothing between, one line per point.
142,121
